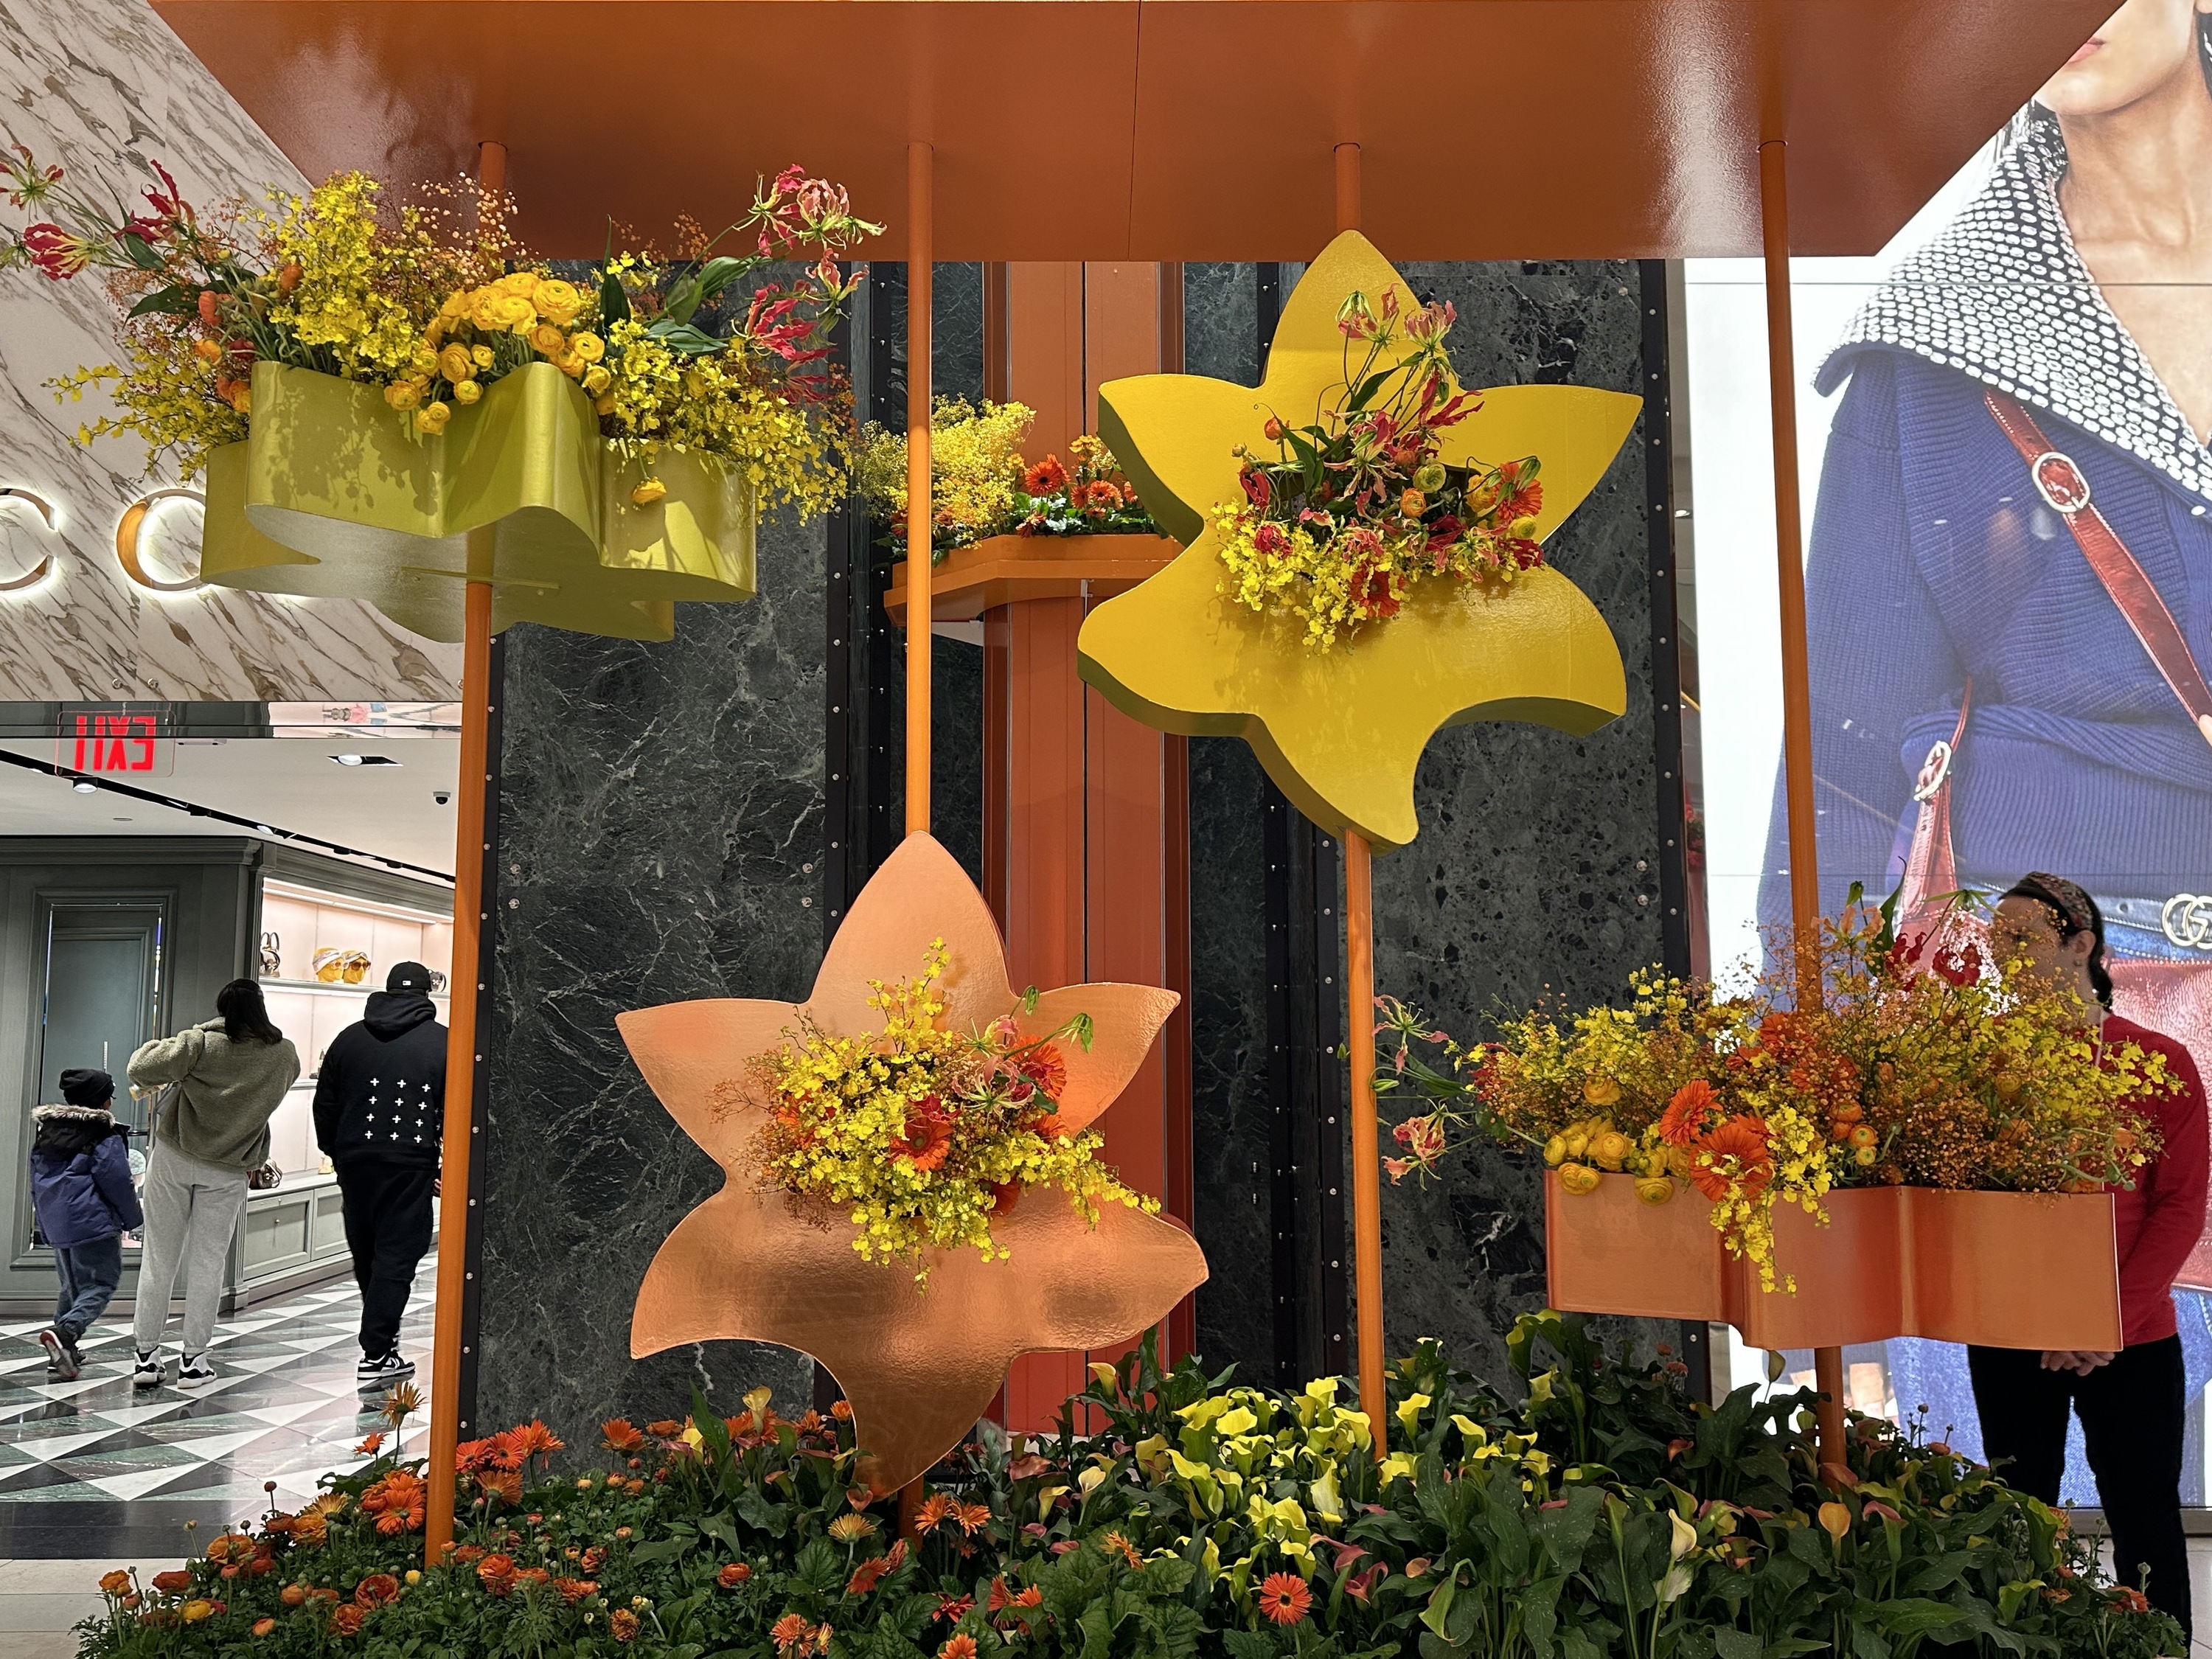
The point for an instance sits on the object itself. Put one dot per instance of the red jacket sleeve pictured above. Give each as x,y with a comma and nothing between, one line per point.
2174,1217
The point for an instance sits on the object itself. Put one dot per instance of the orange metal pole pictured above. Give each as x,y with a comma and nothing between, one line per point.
1359,972
920,524
465,979
454,1204
1796,680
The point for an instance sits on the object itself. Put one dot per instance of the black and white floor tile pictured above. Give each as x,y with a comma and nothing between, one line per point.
94,1466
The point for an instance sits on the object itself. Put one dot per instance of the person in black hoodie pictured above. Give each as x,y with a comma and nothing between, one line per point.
380,1110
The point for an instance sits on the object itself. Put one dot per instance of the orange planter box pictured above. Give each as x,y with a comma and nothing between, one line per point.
1002,569
2005,1270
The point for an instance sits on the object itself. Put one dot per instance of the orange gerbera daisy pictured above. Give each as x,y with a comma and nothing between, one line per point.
1285,1599
1686,1114
1046,476
962,1646
936,1508
790,1631
1734,1154
928,1135
531,1439
619,1434
1043,1067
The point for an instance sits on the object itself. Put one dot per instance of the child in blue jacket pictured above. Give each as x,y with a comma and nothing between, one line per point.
81,1188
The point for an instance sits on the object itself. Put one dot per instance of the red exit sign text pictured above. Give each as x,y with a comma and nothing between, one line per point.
101,741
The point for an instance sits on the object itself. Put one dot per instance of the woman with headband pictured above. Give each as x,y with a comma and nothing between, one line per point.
2132,1402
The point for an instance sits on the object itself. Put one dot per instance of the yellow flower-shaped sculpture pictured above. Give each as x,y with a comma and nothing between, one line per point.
1341,731
918,1367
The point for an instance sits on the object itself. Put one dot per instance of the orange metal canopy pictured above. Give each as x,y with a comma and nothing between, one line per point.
1164,129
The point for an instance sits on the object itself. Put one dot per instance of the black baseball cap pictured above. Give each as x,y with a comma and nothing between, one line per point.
408,977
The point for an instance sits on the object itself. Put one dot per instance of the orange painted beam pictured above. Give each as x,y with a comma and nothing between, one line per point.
1114,130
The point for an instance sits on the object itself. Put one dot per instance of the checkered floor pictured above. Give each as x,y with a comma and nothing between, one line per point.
94,1466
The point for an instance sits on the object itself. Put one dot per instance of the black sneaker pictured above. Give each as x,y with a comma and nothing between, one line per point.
195,1371
150,1373
62,1362
382,1371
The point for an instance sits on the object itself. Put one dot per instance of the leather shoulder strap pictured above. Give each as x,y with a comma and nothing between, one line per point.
1931,870
2065,491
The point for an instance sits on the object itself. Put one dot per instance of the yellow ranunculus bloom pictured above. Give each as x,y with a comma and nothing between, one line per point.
548,340
648,492
403,396
467,392
484,309
480,355
456,307
432,417
558,302
597,379
523,283
588,346
515,312
436,334
603,403
455,363
569,364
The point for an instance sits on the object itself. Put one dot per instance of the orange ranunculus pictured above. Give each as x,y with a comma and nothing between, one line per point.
790,1631
572,1591
347,1620
622,1625
262,1626
1046,476
1686,1116
175,1579
734,1574
376,1589
115,1583
1734,1154
496,1574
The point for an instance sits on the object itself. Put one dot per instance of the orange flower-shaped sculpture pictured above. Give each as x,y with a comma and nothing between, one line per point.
918,1366
1341,733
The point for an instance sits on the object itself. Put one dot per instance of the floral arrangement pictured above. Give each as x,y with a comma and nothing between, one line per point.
919,1135
981,485
435,302
1356,506
1979,1077
1604,1512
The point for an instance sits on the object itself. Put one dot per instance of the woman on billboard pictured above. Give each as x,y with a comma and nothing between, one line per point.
2010,579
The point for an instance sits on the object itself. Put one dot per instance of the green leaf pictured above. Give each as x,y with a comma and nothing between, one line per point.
1248,1645
1916,1615
613,301
174,301
684,339
1730,1643
141,252
754,1510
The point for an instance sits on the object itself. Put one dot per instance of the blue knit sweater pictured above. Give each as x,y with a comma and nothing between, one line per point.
1933,560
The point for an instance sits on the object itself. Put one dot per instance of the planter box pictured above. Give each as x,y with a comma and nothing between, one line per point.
331,496
1001,570
2006,1270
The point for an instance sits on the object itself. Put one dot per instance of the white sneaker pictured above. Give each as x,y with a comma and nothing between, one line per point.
150,1373
380,1372
195,1371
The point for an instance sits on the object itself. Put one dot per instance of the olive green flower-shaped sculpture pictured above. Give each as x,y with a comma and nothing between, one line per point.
1341,731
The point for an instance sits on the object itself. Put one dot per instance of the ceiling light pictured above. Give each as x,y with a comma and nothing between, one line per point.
264,828
84,786
347,760
351,759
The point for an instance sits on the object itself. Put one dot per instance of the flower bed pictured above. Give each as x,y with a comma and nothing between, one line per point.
1609,1514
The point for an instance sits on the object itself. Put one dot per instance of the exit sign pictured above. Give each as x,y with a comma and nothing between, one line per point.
115,739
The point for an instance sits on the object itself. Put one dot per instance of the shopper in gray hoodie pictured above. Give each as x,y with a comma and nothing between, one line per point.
210,1133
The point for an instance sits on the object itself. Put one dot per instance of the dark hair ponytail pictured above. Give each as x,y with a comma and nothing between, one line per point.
2072,912
244,1013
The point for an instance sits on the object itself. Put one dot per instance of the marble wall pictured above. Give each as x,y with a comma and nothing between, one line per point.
101,86
660,833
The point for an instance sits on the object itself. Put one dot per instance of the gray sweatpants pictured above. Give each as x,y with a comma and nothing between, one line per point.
191,1212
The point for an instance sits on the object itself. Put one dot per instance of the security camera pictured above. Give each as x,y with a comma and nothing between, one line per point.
441,796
